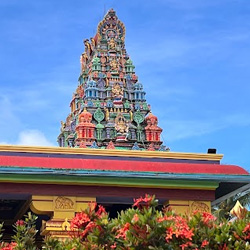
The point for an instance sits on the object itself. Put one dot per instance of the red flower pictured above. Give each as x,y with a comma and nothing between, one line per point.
143,202
165,218
247,231
169,235
80,220
204,243
122,232
187,244
180,229
247,228
20,223
101,211
9,246
207,217
91,225
113,246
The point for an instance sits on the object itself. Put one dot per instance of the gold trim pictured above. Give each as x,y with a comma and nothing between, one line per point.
114,152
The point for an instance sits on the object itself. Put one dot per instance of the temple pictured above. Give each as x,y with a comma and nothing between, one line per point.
109,108
110,151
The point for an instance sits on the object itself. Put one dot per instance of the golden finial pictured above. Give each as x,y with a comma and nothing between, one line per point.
236,210
66,225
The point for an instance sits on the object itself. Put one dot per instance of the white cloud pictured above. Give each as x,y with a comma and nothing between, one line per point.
33,138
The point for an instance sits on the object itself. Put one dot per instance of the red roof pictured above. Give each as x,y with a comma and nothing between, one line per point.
116,164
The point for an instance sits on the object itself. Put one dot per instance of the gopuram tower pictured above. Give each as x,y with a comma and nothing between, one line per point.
109,108
108,111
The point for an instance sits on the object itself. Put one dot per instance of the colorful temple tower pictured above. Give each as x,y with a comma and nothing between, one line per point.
108,111
108,108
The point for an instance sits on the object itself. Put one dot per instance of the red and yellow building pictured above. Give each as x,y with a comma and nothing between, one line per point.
58,182
110,150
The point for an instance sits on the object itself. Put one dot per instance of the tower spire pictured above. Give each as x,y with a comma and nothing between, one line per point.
109,105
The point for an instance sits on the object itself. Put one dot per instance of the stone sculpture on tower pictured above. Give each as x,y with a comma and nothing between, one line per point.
108,108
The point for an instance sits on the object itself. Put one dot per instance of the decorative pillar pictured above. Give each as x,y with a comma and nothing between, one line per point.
61,210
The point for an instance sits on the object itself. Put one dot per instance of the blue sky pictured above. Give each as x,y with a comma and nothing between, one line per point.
191,56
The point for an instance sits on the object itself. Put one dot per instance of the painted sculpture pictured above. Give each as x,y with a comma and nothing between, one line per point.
109,107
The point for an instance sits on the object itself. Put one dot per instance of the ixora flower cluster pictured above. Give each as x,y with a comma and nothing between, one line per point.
144,226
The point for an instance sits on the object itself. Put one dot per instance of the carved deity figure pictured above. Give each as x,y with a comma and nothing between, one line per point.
121,125
114,65
83,60
131,115
111,33
63,126
88,49
80,91
117,90
112,44
93,43
106,114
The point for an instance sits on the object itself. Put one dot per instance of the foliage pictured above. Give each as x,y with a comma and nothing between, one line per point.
24,238
25,231
144,226
222,210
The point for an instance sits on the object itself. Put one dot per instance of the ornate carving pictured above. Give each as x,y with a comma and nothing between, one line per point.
85,129
63,126
68,120
93,43
88,49
151,147
114,65
82,145
117,90
109,89
99,115
62,203
136,146
106,114
121,125
138,117
80,91
111,27
199,206
153,132
111,145
94,145
112,44
66,225
83,60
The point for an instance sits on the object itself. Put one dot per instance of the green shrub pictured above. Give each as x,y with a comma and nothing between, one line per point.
144,226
